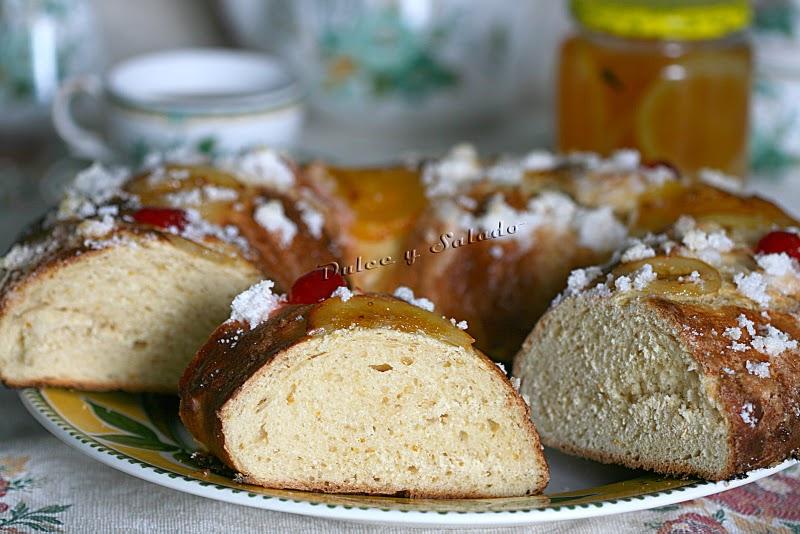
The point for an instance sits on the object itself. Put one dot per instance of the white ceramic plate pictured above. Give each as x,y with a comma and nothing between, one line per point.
141,435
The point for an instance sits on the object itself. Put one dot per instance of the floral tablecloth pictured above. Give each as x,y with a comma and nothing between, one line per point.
46,486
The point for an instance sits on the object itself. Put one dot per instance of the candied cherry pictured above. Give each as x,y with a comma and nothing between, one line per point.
315,286
162,217
780,241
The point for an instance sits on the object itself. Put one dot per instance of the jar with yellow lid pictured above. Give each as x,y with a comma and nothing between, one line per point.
670,78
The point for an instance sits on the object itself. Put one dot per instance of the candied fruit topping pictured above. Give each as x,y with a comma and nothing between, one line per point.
315,286
162,217
780,241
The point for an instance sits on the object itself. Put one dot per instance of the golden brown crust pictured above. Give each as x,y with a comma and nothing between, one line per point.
281,262
775,399
218,370
501,298
668,468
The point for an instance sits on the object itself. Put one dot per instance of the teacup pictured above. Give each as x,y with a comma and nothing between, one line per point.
209,100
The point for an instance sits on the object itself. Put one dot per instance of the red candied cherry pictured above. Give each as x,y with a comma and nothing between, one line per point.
162,217
780,241
315,286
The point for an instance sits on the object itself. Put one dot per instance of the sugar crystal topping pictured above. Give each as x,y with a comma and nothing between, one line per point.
254,305
767,339
198,229
747,414
342,292
708,247
579,279
406,294
639,251
20,256
272,218
262,168
446,176
600,230
196,197
99,183
759,369
540,160
94,229
753,286
773,342
779,264
312,218
720,180
461,325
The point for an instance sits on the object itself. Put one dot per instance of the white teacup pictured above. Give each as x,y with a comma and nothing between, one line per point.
205,99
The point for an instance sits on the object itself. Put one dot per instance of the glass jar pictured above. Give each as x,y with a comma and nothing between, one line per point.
669,78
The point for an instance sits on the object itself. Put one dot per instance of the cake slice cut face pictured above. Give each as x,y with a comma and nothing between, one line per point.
395,401
613,383
123,317
681,358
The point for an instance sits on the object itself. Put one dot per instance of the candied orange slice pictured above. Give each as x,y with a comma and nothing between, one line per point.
376,311
675,276
385,201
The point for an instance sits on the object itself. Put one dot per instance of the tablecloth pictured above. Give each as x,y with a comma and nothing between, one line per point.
46,486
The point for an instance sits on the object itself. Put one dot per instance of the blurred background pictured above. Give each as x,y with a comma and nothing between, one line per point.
711,84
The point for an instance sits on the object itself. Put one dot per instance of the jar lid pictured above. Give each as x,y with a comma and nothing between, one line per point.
664,19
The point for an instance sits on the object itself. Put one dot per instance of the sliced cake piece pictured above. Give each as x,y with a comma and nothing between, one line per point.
359,394
118,287
683,358
125,310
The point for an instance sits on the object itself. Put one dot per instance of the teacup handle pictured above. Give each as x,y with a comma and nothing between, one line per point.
81,141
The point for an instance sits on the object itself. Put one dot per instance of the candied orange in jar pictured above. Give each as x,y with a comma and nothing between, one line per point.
669,78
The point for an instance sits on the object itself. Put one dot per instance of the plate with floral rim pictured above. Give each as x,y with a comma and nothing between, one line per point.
141,435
